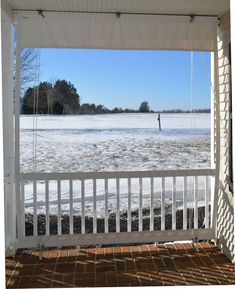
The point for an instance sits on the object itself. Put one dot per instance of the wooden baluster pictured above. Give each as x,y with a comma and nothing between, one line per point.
35,216
151,205
163,205
185,204
140,204
118,206
22,210
106,225
196,202
47,208
129,207
94,208
59,206
207,203
83,206
174,204
71,207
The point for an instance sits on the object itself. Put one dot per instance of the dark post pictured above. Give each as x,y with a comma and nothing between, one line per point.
159,121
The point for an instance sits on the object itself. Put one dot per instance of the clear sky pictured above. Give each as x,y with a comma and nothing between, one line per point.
126,78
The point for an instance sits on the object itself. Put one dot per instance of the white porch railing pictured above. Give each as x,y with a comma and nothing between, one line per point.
156,195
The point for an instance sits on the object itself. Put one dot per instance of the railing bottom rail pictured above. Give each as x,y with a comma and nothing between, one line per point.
115,238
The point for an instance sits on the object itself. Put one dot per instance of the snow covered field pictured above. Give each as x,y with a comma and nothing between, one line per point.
112,142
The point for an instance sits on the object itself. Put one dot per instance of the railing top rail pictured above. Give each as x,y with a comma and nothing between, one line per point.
115,175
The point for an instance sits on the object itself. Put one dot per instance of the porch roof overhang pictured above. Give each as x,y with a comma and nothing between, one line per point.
119,24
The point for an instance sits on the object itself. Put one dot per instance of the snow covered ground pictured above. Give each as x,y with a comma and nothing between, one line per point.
113,142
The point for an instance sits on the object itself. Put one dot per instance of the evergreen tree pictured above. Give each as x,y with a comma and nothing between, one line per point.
144,107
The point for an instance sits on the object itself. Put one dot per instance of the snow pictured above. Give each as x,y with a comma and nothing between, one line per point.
113,142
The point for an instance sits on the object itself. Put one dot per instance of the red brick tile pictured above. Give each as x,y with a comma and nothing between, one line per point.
54,254
121,266
108,251
188,246
183,262
100,251
13,282
79,268
159,263
90,267
85,283
105,268
117,250
24,282
130,265
84,276
179,247
125,250
169,262
207,260
144,249
44,269
152,248
111,277
135,250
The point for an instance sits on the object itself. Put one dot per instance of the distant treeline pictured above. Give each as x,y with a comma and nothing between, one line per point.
62,98
200,110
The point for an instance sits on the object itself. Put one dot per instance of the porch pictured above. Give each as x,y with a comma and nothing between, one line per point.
143,265
166,264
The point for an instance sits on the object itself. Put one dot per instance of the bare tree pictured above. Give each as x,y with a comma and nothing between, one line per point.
29,65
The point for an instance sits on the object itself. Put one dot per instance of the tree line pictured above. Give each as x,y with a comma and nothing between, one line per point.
62,98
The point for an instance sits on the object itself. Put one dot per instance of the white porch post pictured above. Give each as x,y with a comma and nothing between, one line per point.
213,127
216,124
8,132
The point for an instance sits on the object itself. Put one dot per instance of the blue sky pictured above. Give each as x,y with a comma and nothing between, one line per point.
126,78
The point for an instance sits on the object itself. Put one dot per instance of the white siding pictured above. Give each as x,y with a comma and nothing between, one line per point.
225,210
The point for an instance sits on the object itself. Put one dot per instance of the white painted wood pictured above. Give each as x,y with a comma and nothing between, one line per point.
106,214
206,202
185,204
195,191
129,207
7,135
47,207
83,207
70,207
94,208
174,204
118,205
115,175
117,238
163,205
217,141
140,205
17,125
151,225
22,211
35,216
59,205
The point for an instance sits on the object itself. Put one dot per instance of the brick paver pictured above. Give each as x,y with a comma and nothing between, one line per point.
143,265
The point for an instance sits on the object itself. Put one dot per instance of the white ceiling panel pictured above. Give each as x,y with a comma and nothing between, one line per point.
198,7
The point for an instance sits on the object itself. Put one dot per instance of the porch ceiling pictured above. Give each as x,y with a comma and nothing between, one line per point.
198,7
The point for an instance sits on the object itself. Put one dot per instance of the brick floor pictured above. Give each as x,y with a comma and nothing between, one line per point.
145,265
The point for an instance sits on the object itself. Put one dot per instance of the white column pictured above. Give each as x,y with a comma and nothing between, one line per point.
232,7
8,135
213,125
217,141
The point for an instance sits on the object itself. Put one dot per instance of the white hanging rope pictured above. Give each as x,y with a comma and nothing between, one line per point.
192,152
35,110
35,102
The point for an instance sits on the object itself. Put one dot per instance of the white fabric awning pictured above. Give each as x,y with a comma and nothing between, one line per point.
107,31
